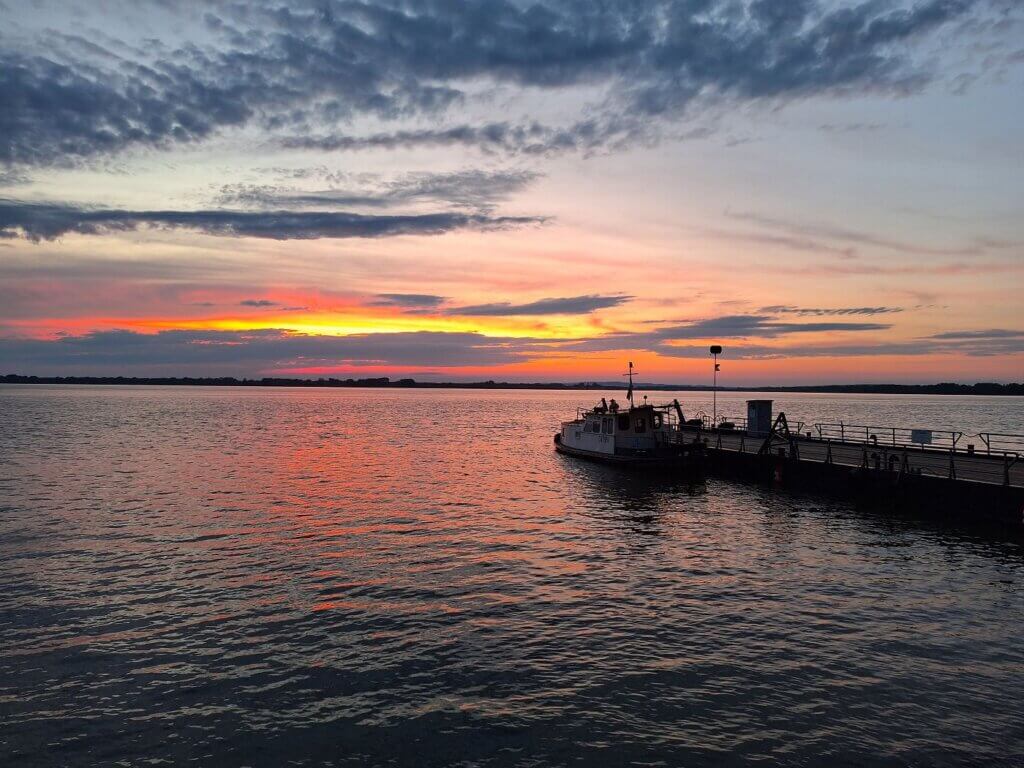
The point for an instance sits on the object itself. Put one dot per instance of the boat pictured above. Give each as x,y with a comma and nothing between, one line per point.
642,435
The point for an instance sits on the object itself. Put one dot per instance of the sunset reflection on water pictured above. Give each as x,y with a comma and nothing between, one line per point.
261,576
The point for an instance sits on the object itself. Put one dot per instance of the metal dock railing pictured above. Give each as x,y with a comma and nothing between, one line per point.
986,457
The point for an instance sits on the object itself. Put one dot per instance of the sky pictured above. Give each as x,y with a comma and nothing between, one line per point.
514,191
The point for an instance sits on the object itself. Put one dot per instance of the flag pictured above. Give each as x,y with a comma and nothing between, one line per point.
718,367
629,392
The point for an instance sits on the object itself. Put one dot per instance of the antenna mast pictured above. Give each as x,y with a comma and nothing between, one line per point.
629,392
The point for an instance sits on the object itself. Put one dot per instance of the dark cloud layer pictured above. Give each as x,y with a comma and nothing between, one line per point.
761,326
718,329
252,351
473,189
829,311
991,334
261,303
531,138
407,300
293,68
42,221
741,329
570,305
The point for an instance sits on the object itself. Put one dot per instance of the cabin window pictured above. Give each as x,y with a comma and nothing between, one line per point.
641,424
623,422
608,426
595,426
657,421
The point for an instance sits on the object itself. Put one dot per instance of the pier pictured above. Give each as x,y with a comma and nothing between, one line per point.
977,477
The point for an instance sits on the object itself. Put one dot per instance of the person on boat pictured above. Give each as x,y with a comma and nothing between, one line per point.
614,407
602,407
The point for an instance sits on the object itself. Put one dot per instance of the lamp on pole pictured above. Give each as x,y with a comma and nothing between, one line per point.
716,350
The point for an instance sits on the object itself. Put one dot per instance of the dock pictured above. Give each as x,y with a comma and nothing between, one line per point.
977,477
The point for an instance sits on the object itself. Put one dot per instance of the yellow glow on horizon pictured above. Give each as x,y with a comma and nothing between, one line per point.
339,324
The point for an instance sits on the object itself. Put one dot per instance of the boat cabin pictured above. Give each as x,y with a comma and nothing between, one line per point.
636,431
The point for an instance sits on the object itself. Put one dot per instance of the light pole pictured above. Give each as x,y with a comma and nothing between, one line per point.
716,350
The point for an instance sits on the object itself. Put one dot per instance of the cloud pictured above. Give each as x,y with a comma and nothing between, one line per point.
180,352
743,351
986,335
10,178
979,246
300,68
831,311
48,221
474,189
257,303
407,300
247,353
874,349
792,242
532,138
973,268
572,305
664,341
762,326
728,327
850,127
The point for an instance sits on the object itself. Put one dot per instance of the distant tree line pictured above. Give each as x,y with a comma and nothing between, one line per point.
947,388
981,388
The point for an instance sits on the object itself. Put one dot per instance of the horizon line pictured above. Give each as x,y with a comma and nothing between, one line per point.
947,387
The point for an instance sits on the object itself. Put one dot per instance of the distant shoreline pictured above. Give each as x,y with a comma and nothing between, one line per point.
981,388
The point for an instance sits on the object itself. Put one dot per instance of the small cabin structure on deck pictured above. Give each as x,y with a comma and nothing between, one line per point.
637,431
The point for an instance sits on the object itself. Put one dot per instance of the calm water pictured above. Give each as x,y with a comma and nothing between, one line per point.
295,577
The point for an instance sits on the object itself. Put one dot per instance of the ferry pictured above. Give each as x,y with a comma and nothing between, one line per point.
636,436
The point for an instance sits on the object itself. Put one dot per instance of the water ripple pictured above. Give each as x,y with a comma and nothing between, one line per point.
294,577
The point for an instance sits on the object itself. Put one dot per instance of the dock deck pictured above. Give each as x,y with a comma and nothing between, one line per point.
1002,468
931,472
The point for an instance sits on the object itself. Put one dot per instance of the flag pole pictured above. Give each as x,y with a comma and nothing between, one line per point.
629,392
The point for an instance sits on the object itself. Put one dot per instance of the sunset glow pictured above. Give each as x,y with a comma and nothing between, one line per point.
547,220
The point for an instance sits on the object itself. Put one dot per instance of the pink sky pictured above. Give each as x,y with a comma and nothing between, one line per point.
547,219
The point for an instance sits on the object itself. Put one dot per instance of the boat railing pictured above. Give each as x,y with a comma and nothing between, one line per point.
725,423
704,421
582,414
